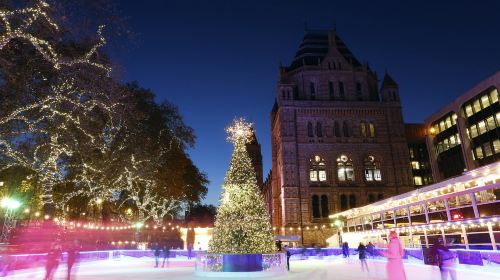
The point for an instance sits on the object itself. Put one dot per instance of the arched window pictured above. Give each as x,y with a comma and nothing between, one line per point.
324,206
362,128
372,170
319,130
310,129
343,202
345,170
371,198
345,129
315,206
336,129
317,169
372,130
352,201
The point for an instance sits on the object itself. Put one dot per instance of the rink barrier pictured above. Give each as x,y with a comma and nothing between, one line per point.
271,261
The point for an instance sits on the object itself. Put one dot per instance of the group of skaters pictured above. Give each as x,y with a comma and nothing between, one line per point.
440,254
54,257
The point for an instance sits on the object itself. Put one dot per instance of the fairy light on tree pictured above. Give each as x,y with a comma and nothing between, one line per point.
242,223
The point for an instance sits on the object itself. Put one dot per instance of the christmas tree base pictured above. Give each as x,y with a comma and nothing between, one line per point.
240,265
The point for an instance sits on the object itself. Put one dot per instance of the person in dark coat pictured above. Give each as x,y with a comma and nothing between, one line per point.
288,255
370,248
445,260
166,254
345,249
73,251
362,256
53,259
189,251
157,252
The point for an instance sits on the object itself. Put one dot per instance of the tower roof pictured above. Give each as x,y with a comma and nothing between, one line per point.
315,46
388,81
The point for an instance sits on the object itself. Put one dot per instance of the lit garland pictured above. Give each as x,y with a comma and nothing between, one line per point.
242,223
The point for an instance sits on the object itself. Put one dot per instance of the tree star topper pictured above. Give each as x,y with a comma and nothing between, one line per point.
239,130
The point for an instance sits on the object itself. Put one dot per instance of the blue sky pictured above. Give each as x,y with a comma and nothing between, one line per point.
217,60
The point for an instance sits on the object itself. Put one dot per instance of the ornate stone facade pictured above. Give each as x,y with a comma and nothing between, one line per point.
337,141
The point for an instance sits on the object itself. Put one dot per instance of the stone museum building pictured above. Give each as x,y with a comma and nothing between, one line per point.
338,139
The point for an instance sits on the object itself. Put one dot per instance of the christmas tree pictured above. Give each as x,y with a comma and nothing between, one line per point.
242,223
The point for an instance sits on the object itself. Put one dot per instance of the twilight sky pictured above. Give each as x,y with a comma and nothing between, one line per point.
219,59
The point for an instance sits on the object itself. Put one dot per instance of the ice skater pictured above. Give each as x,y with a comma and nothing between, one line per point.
166,255
72,257
53,258
362,256
288,255
394,254
157,252
370,248
345,249
445,259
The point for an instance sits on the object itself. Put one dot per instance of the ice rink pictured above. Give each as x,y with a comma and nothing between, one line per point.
322,269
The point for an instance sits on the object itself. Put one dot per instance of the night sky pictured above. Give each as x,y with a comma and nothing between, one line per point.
219,59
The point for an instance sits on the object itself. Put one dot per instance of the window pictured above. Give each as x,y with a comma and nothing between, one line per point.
372,171
476,106
412,154
362,128
417,180
485,101
345,169
343,202
448,122
315,206
496,146
310,129
341,90
345,129
415,165
473,131
324,206
352,201
494,96
487,149
317,169
498,118
490,121
372,130
336,129
481,127
319,130
479,153
454,119
331,90
312,90
468,110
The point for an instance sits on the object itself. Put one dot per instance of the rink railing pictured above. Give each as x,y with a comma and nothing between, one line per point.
411,255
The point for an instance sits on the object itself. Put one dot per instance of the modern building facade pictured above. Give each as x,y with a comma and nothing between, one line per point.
416,135
338,140
465,134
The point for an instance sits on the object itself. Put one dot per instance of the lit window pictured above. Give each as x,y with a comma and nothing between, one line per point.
458,139
372,130
479,153
441,126
448,122
498,118
494,96
477,106
317,170
490,121
468,110
415,165
345,170
417,180
454,119
473,131
485,101
363,129
496,146
372,171
487,149
481,127
412,154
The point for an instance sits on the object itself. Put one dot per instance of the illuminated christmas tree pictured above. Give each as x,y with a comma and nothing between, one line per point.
242,223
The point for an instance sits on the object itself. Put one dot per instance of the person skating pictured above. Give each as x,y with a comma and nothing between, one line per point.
166,255
362,256
445,260
53,259
345,249
370,248
394,254
288,255
73,251
157,252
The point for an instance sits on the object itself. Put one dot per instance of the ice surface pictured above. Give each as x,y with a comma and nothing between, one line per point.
183,269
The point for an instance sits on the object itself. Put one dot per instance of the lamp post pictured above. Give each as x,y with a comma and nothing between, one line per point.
10,205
